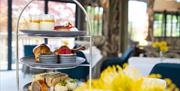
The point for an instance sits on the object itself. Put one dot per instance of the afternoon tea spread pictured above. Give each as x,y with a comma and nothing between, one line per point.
54,65
45,57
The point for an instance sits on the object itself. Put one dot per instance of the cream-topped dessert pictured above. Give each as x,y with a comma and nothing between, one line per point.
47,22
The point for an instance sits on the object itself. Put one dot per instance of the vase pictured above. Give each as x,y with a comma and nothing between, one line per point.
161,55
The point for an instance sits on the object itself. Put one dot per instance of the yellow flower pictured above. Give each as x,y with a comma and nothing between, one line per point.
155,44
122,83
168,81
117,79
154,76
155,88
82,87
164,48
125,65
163,43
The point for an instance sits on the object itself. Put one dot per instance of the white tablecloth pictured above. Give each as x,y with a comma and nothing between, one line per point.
145,64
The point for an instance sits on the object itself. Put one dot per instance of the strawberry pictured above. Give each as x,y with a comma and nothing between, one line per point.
64,50
69,26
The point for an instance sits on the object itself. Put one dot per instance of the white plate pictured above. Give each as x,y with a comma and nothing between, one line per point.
54,33
29,61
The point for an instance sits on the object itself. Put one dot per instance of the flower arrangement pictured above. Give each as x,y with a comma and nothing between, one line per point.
161,45
116,78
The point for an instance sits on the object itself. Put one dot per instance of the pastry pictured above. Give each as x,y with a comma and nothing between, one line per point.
71,84
61,86
61,28
53,78
39,77
41,49
39,85
68,27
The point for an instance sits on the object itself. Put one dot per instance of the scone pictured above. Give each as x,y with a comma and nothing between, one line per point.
41,49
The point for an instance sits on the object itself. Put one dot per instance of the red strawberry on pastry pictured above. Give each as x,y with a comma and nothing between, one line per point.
64,50
69,26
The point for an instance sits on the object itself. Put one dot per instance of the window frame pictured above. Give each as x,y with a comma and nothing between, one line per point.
165,23
79,16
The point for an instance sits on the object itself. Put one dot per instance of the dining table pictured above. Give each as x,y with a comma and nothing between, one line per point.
146,64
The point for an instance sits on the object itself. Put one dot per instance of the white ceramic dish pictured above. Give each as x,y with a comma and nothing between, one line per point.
48,59
30,61
67,58
54,33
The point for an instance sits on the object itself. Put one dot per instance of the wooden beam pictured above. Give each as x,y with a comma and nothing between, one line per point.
150,11
116,31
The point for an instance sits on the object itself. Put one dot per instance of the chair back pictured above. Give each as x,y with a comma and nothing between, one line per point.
127,54
168,70
116,60
28,50
80,72
110,62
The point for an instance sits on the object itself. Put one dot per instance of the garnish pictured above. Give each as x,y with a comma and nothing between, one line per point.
62,83
72,81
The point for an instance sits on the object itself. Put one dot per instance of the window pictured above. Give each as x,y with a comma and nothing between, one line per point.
36,7
137,24
166,24
158,25
63,12
3,33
